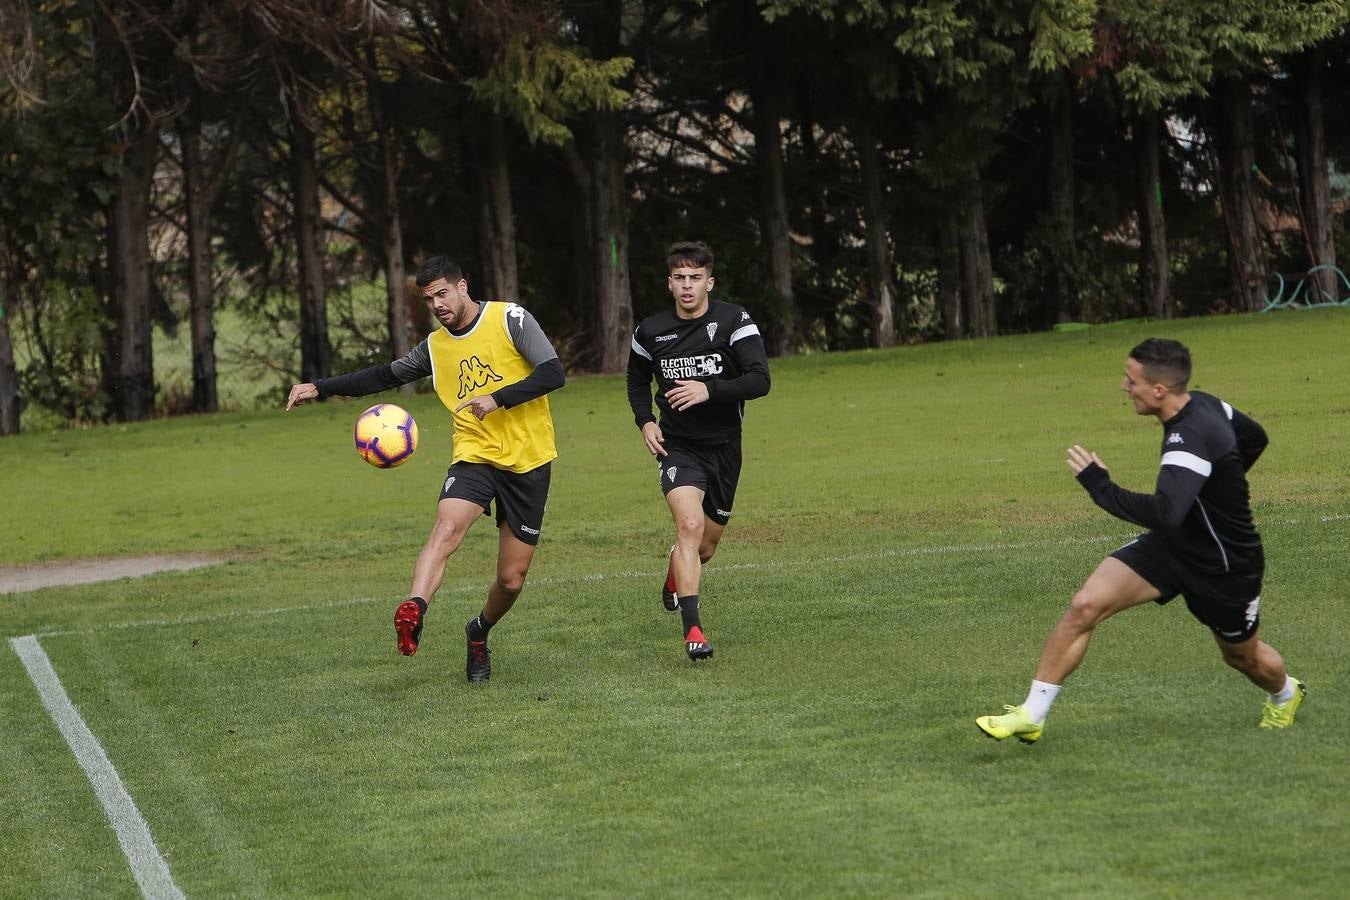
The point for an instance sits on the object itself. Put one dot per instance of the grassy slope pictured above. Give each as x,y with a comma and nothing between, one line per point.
906,533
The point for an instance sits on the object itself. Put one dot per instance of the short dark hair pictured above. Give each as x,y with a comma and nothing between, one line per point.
694,254
1166,360
438,267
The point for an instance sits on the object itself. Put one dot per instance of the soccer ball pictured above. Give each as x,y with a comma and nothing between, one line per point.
386,435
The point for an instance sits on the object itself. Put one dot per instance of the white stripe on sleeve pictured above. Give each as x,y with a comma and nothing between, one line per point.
637,348
744,331
1227,409
1187,461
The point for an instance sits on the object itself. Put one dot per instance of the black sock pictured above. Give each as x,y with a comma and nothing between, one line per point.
689,613
479,627
421,605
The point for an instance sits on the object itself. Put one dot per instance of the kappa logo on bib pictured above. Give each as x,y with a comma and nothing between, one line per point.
473,374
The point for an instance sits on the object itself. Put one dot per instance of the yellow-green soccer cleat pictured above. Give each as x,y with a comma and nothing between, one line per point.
1281,715
1014,723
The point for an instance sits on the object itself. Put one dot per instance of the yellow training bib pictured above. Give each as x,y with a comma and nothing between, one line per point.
474,364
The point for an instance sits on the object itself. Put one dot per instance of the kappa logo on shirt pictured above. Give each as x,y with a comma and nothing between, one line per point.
744,316
666,337
1174,438
473,374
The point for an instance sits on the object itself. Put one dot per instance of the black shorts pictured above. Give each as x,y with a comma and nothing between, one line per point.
713,469
521,496
1229,603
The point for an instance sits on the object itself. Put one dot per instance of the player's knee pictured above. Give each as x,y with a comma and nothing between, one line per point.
511,583
1237,657
447,532
1086,608
690,528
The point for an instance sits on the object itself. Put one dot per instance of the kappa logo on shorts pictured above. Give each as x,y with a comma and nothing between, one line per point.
528,530
473,374
724,513
1174,438
712,330
670,473
449,481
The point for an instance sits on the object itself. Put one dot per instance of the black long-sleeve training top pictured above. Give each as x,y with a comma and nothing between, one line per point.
1201,501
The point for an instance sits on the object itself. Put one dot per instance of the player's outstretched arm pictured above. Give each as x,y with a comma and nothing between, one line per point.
1165,508
301,393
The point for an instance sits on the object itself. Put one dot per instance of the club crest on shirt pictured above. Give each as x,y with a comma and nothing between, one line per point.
712,330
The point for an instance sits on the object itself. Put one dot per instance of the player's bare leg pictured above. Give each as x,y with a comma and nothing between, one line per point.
686,508
1112,587
1256,659
454,518
712,535
1264,667
513,564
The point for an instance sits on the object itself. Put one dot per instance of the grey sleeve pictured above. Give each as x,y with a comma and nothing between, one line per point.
528,337
414,364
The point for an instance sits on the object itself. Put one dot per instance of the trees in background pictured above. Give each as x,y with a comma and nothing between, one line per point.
866,173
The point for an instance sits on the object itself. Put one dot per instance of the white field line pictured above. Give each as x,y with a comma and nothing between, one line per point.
941,550
147,865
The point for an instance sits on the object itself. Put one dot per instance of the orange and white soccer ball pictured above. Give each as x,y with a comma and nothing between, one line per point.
386,435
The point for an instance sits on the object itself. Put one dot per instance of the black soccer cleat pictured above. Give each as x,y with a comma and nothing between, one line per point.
408,626
478,665
696,644
668,597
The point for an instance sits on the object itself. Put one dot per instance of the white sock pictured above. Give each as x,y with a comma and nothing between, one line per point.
1039,699
1285,695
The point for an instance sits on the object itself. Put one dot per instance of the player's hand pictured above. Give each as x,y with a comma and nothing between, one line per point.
300,393
479,406
655,440
1079,459
686,394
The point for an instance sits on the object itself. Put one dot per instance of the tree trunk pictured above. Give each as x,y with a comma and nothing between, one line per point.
498,232
773,216
391,224
9,373
1060,177
977,270
583,271
316,353
1314,180
132,384
197,200
1237,156
1154,267
880,281
950,274
609,247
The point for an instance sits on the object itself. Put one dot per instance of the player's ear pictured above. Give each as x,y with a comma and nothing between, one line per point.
710,282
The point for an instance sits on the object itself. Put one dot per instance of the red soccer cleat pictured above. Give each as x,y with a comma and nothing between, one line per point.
408,626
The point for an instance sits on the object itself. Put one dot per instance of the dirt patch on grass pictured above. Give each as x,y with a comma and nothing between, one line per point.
16,579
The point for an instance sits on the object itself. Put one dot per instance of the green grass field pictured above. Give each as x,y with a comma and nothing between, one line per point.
905,535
